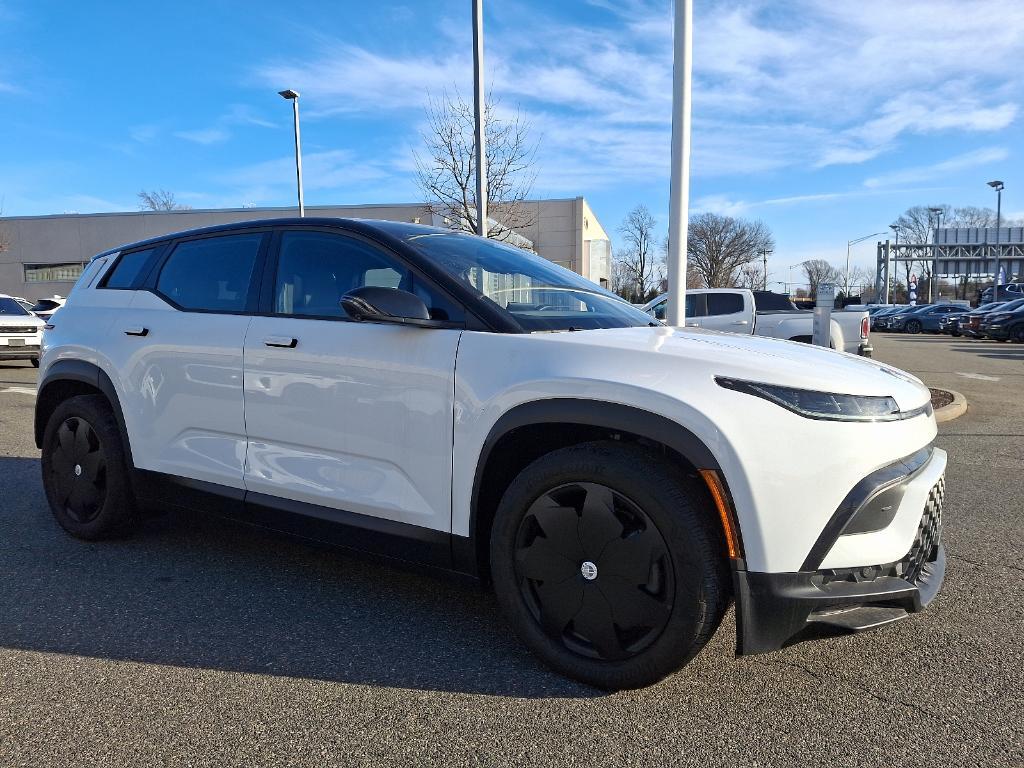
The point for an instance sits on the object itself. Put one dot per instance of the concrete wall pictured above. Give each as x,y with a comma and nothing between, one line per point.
561,232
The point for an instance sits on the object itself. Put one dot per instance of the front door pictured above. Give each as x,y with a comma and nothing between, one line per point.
725,312
348,416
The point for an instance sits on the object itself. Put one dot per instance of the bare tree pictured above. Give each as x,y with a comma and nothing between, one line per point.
751,276
160,200
819,271
446,172
637,260
719,247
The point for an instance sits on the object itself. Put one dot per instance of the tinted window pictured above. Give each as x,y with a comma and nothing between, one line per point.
11,307
127,269
211,274
692,307
315,269
724,303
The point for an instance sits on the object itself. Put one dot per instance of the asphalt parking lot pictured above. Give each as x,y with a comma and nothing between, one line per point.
198,642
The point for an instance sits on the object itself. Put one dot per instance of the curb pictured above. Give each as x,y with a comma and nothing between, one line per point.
954,410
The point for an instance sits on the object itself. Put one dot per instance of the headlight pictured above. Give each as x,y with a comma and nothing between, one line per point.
827,406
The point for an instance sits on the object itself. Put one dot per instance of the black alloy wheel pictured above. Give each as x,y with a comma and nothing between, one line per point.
1017,333
594,571
85,469
913,326
78,470
608,560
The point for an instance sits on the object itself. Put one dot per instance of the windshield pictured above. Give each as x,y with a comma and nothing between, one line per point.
539,295
9,306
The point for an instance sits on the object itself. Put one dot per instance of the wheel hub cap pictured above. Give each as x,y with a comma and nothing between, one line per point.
589,570
78,470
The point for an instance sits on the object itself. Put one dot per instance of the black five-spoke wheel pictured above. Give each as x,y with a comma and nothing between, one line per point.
85,472
78,470
608,561
594,571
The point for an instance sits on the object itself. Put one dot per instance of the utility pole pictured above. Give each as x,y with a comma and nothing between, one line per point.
478,104
764,257
679,194
933,293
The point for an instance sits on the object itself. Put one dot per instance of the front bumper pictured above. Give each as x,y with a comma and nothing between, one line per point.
777,609
21,352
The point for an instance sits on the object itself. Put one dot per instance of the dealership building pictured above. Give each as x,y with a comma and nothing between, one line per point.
45,254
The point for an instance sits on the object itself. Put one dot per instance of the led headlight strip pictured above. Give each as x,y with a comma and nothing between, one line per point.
827,406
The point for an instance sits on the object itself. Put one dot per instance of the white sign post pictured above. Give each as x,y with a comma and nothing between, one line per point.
822,324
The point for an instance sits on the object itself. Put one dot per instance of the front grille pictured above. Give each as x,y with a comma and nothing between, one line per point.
922,551
926,542
6,330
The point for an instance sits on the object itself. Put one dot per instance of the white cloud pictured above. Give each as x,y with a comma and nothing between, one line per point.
973,159
204,136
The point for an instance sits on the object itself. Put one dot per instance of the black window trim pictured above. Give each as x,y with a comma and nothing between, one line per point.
269,282
140,279
255,279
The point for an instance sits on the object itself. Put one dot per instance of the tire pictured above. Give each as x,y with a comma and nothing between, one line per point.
566,570
35,362
1017,333
913,326
85,474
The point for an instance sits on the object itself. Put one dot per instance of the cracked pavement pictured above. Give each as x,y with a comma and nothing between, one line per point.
201,643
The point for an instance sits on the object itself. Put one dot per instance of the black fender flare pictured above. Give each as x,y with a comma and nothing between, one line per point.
592,413
85,373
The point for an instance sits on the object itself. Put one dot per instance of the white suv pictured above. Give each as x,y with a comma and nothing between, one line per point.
20,331
448,400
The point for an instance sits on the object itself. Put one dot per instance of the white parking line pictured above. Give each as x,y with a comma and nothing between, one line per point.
19,390
981,376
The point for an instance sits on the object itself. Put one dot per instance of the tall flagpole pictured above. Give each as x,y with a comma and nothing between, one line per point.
479,104
679,195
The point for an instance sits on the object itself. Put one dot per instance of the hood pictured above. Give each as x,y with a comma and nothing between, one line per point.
756,358
7,321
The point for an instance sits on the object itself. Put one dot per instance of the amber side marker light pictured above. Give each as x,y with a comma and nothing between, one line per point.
732,536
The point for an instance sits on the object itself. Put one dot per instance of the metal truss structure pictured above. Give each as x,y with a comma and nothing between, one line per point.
958,261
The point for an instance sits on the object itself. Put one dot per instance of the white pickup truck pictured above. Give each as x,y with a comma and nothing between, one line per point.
762,313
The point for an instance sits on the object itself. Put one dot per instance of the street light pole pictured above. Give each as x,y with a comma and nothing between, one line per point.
998,187
479,104
896,230
846,282
293,97
933,290
679,189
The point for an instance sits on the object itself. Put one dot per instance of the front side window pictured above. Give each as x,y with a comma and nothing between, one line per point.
212,274
315,269
538,295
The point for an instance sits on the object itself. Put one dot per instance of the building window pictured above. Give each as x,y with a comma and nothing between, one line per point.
53,273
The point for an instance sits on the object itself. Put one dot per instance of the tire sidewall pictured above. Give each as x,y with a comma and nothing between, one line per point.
694,549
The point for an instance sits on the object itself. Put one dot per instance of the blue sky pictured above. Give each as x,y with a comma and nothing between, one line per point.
824,119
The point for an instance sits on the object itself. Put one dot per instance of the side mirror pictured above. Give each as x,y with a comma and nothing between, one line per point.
385,305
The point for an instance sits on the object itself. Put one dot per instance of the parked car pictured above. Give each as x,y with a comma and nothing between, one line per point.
951,323
986,320
925,318
44,308
1006,325
20,332
880,320
762,313
442,398
1007,292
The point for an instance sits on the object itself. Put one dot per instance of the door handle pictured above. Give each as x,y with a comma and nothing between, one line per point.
741,322
136,330
281,341
693,325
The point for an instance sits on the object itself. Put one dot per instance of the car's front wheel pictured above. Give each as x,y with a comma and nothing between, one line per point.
913,326
1017,333
609,563
85,474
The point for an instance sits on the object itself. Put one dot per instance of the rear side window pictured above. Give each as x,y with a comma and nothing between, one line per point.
724,303
213,274
128,269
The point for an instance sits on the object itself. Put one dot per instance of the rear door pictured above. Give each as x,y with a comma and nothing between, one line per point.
726,311
177,353
342,416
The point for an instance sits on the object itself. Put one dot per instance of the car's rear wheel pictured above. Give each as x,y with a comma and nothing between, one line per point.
913,326
85,474
609,564
1017,333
